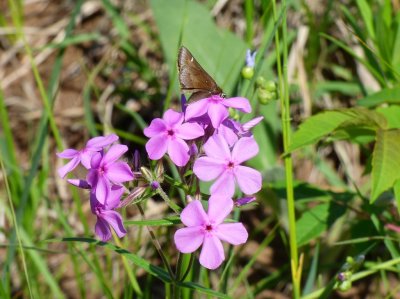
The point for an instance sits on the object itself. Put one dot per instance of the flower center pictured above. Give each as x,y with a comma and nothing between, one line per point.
208,227
170,132
231,165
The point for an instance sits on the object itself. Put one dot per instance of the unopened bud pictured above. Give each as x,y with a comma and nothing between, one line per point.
132,197
154,185
159,171
247,72
345,285
270,86
260,82
146,174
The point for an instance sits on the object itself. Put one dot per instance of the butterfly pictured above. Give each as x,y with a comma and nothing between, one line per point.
194,79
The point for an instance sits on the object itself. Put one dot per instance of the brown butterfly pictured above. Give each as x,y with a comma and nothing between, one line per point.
194,79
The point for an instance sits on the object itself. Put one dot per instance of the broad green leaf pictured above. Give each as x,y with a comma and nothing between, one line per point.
392,115
317,220
321,125
385,162
387,95
355,134
219,51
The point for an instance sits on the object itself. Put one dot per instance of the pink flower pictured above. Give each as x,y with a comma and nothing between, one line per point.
208,229
232,130
84,156
224,165
216,107
107,171
107,218
168,135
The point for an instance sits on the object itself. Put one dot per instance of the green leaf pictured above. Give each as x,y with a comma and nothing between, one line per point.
317,220
366,13
387,95
385,161
174,220
392,115
396,188
156,271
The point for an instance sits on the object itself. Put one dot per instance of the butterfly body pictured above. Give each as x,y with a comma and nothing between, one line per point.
194,79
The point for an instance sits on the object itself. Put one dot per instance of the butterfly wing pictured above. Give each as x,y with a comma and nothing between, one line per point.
193,78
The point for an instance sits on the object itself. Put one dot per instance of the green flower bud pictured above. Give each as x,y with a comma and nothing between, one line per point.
248,72
260,82
146,174
265,97
270,86
350,260
345,285
233,114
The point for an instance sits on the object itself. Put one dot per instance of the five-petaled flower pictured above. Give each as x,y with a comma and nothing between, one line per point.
106,171
208,229
84,155
216,107
222,164
169,134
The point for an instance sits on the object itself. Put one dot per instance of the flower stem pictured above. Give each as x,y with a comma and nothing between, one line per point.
169,202
157,245
285,118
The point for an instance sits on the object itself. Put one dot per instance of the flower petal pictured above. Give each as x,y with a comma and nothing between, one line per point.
228,134
114,198
114,153
197,109
86,158
212,254
119,172
178,151
71,165
96,160
193,214
189,131
69,153
79,183
97,143
207,169
157,146
157,126
217,113
224,185
245,149
233,233
239,103
102,189
114,219
251,123
102,230
189,239
219,208
217,147
249,179
172,118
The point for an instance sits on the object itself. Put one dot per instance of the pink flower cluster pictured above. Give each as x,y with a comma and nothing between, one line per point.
224,145
105,175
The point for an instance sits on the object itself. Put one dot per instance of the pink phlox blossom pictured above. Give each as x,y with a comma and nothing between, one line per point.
216,107
169,134
224,166
232,130
106,171
84,155
208,229
107,217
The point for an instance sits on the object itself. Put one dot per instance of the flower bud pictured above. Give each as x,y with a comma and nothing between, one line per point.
154,185
270,86
345,285
146,174
159,171
247,72
233,114
260,82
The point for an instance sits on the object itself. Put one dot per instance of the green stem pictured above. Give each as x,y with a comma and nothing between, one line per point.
285,118
169,202
157,245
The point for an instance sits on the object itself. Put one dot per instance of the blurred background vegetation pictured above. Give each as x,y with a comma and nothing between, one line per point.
70,70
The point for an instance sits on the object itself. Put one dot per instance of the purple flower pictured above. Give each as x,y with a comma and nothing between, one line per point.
250,58
106,216
168,135
232,130
208,229
84,156
245,201
216,107
107,171
224,165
